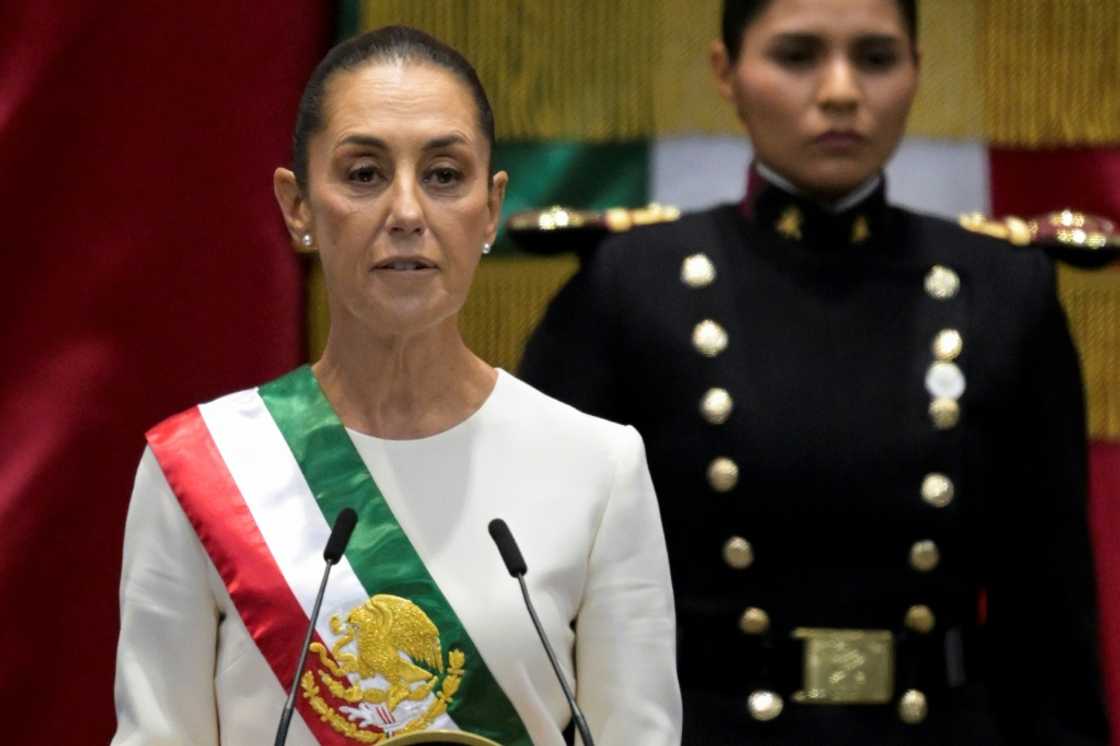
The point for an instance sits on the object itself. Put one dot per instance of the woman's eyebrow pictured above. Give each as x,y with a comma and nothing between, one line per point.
372,141
368,141
445,141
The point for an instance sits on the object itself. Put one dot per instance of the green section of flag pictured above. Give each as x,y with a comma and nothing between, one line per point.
379,552
348,19
573,174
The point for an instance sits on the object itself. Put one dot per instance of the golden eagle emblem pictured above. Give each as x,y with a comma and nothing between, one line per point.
384,665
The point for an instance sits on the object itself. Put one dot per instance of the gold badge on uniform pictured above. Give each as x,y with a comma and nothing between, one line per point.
789,223
389,642
861,231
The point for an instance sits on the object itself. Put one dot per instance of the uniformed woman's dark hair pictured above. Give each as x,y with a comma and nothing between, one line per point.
738,14
387,44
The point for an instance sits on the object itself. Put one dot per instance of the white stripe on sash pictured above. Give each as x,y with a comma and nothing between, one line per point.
281,503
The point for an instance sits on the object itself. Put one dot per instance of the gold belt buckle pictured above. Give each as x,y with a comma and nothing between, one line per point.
846,666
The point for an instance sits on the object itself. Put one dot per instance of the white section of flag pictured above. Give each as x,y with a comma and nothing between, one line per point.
942,177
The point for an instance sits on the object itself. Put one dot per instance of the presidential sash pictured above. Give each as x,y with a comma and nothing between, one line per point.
261,475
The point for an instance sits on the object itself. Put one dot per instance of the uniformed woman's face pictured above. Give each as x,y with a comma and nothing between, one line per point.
824,88
399,197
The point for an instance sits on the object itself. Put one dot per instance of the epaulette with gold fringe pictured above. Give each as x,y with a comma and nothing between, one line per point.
1076,238
557,229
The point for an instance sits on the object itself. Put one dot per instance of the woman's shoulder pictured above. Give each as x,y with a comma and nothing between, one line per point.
986,258
524,407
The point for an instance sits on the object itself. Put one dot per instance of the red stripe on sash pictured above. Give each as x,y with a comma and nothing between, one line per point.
216,509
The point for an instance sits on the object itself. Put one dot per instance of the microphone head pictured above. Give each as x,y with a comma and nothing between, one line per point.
340,535
511,555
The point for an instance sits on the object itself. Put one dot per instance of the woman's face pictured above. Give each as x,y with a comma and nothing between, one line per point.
399,199
824,88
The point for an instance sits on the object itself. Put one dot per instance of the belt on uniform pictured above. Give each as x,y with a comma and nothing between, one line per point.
846,666
861,666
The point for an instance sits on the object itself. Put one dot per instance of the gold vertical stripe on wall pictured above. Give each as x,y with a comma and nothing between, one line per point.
1092,302
1051,71
576,69
950,101
1014,72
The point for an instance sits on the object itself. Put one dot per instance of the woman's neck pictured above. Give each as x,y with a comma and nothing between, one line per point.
839,205
402,386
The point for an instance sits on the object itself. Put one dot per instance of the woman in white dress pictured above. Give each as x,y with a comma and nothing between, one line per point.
421,628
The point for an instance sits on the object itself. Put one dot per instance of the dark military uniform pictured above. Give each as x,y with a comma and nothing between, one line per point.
867,435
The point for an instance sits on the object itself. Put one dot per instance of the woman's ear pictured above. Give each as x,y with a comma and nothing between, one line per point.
297,213
494,200
722,69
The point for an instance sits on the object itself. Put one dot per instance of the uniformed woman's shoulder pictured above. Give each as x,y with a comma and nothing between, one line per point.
1072,237
653,229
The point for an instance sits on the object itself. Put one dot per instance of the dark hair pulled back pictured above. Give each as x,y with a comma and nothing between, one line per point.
738,14
388,44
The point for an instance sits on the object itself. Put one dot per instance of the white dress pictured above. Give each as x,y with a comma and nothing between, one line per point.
576,493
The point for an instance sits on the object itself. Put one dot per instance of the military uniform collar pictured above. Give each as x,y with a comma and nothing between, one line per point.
777,206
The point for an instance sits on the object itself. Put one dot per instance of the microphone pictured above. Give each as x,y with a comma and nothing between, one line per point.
515,563
336,545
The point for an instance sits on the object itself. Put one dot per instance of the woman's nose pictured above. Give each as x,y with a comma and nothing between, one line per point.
839,85
405,213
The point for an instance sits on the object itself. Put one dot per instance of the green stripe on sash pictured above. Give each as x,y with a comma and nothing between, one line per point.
382,556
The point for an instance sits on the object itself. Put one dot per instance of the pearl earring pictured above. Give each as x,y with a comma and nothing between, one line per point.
307,240
485,248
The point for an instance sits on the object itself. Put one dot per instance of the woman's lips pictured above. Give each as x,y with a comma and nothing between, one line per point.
839,139
404,264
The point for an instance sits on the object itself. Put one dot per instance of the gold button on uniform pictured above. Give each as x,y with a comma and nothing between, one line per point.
697,271
947,345
716,406
920,619
709,338
764,705
754,621
912,707
942,283
945,413
723,474
937,490
737,553
924,556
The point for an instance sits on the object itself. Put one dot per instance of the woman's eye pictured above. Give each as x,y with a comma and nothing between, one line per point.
795,56
878,60
444,176
363,174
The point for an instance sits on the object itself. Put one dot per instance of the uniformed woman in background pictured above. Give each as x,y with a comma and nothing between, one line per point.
865,425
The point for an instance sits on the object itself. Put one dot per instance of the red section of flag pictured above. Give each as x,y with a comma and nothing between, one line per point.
1032,182
146,269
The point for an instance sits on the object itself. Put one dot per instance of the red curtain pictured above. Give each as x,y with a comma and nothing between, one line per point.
146,268
1032,182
